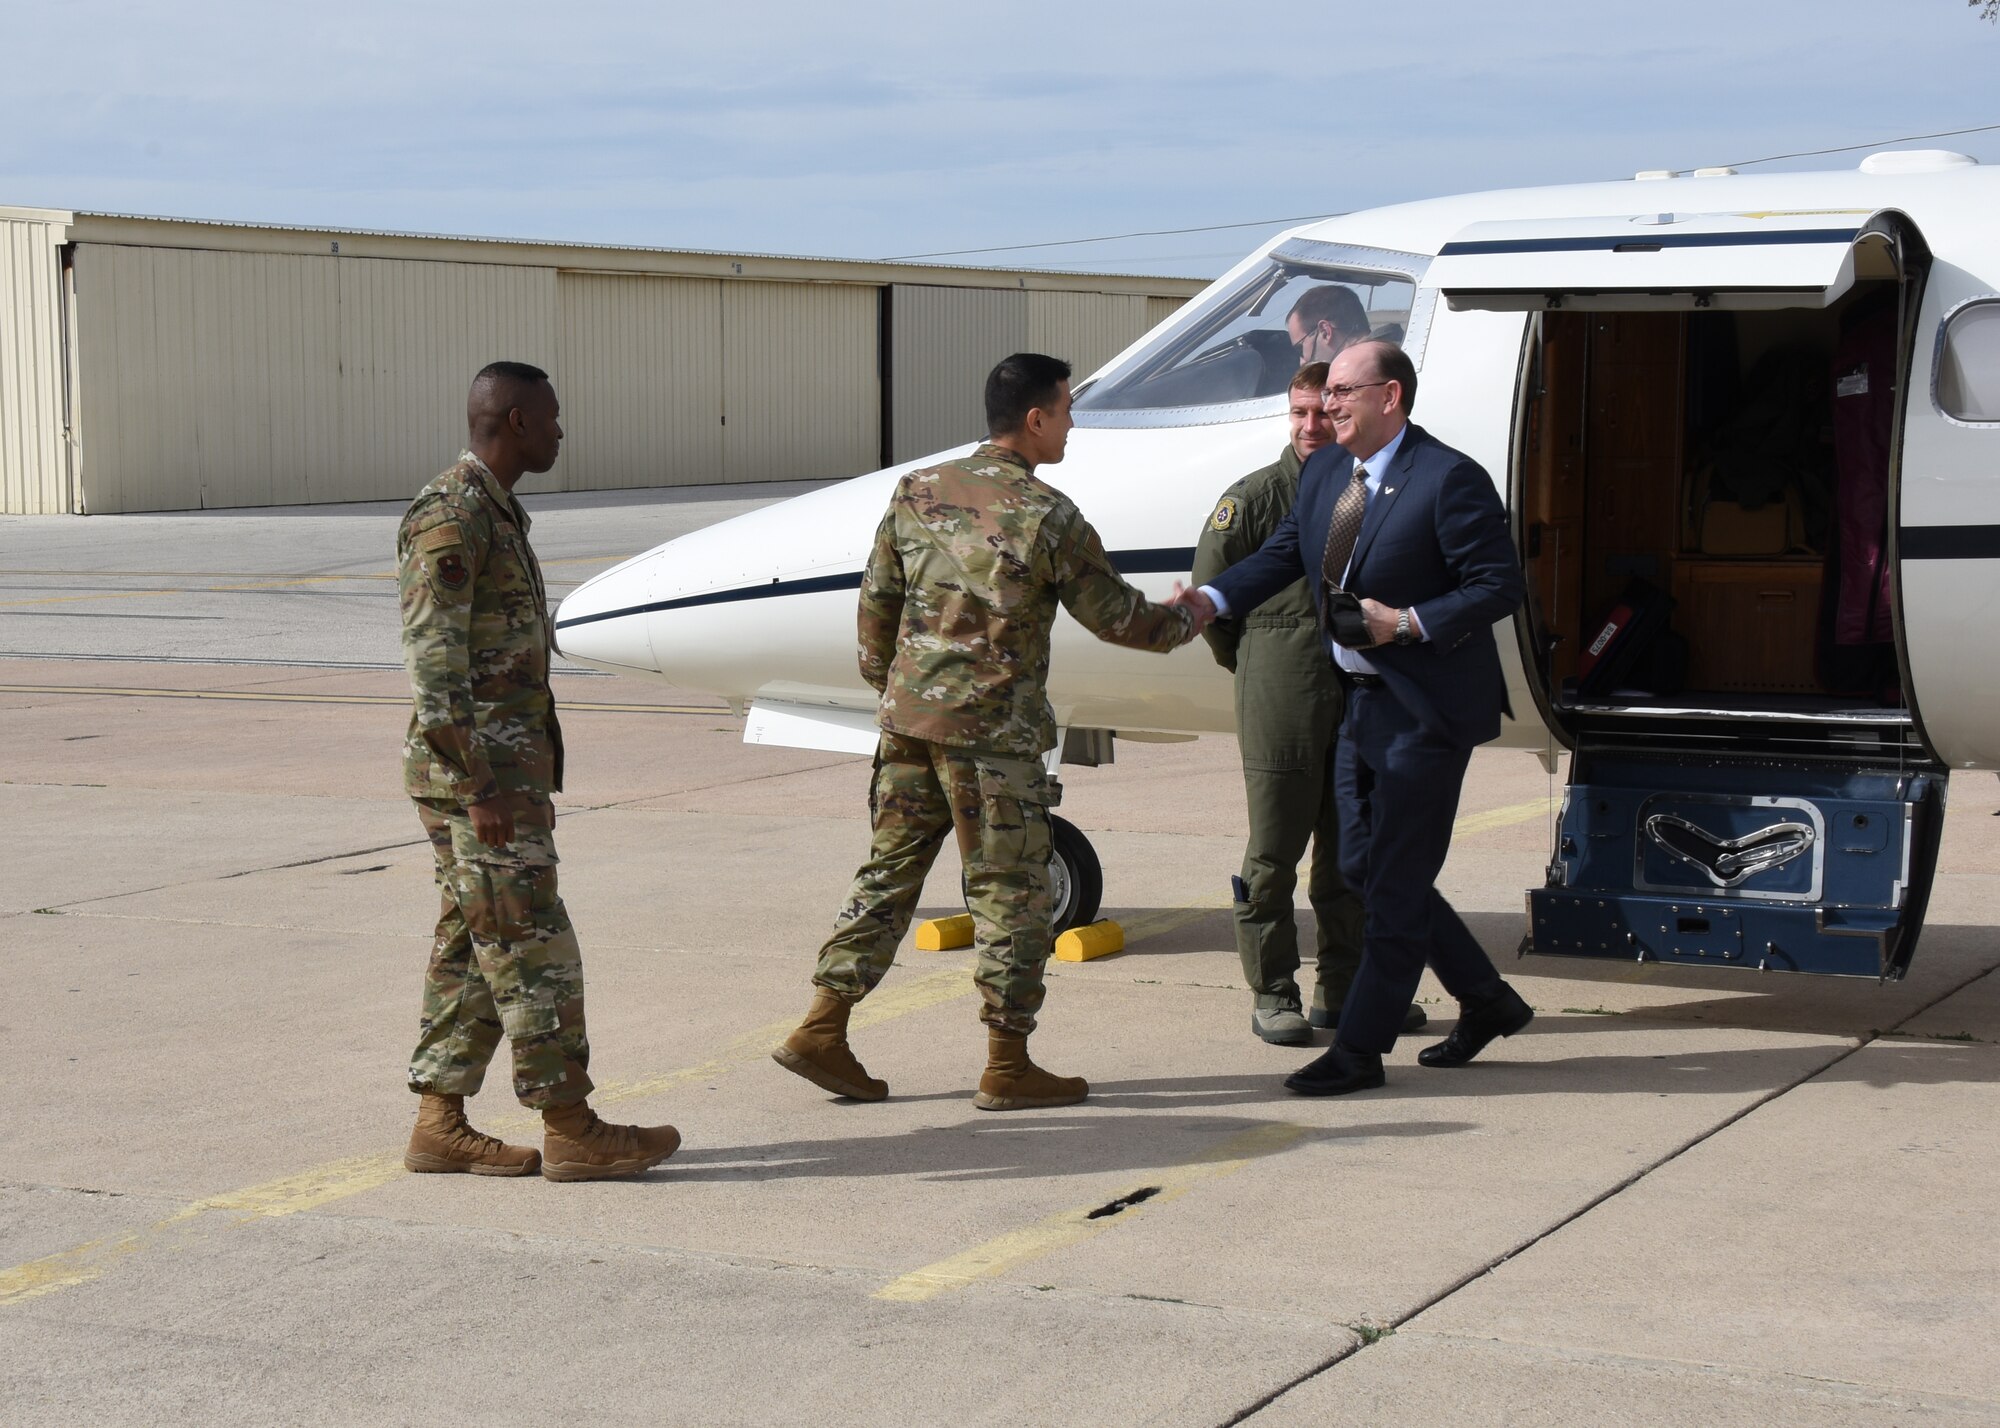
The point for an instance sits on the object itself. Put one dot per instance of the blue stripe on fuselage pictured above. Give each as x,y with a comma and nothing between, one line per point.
1177,559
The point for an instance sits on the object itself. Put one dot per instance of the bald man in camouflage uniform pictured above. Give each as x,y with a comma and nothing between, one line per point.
957,604
482,759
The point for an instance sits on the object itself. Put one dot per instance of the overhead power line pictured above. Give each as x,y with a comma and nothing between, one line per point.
1111,237
1873,144
1316,217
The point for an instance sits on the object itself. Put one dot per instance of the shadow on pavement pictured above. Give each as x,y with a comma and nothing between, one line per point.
1029,1147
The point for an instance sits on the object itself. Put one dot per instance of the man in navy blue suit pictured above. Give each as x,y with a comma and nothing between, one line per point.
1405,542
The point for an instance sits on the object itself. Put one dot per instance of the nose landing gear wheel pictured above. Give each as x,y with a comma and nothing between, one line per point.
1075,876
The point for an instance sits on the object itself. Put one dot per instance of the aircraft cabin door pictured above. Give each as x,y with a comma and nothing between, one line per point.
1740,796
1947,537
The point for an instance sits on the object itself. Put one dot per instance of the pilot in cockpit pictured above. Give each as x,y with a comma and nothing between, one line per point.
1324,320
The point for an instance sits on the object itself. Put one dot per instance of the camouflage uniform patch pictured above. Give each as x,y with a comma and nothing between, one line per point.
476,642
971,562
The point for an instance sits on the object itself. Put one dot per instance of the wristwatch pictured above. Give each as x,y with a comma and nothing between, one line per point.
1406,633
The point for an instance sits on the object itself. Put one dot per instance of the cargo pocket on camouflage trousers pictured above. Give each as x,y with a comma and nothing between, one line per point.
526,950
1000,808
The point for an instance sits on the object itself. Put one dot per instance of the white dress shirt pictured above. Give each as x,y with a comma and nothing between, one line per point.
1350,660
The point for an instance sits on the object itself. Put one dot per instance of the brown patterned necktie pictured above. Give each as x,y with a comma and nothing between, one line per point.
1344,528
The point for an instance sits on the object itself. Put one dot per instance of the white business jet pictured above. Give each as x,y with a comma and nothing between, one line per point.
1748,428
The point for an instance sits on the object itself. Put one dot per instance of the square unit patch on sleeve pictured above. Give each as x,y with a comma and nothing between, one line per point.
449,566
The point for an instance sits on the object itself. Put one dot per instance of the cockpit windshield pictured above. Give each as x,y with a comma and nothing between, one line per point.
1246,343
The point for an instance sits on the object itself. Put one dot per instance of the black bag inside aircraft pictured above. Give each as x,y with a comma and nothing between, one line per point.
1763,479
1633,646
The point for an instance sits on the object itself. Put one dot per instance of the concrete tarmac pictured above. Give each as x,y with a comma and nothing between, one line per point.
1681,1196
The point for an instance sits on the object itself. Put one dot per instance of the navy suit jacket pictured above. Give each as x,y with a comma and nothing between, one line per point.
1435,540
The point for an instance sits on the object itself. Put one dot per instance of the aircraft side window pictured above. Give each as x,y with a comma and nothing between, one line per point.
1968,366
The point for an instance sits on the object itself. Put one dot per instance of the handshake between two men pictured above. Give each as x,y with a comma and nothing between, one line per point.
1377,622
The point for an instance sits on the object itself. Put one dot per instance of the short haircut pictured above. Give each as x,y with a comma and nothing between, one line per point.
510,372
1335,304
1313,375
498,388
1393,364
1017,386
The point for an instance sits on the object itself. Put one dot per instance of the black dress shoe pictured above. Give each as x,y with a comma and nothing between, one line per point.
1413,1019
1338,1072
1503,1015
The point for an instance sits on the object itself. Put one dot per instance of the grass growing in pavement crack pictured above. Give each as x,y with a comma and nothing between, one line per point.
1591,1011
1372,1333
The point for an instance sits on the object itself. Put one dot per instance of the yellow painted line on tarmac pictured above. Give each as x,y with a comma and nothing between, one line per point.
1506,817
1007,1252
341,1179
188,590
71,1267
101,595
1172,919
281,575
254,696
277,581
288,1195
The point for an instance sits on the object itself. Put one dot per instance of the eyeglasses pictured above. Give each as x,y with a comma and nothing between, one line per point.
1346,389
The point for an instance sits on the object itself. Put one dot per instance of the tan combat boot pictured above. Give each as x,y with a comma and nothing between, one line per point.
576,1145
1014,1083
443,1144
819,1052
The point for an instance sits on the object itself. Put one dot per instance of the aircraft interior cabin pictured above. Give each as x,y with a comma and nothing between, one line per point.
1704,500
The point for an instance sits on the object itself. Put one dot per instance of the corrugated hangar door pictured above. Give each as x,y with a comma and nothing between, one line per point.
34,447
640,378
942,343
247,379
801,380
209,379
412,334
1084,329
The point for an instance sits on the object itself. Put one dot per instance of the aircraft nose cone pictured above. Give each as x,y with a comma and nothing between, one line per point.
603,621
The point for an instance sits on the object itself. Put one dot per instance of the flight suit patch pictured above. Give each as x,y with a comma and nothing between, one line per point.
1225,514
442,548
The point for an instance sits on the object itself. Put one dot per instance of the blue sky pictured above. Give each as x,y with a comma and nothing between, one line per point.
892,129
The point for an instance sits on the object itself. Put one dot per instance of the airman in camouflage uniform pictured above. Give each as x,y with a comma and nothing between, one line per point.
1289,704
958,601
482,759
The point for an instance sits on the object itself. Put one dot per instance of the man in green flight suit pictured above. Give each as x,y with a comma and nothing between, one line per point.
957,606
482,759
1288,709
